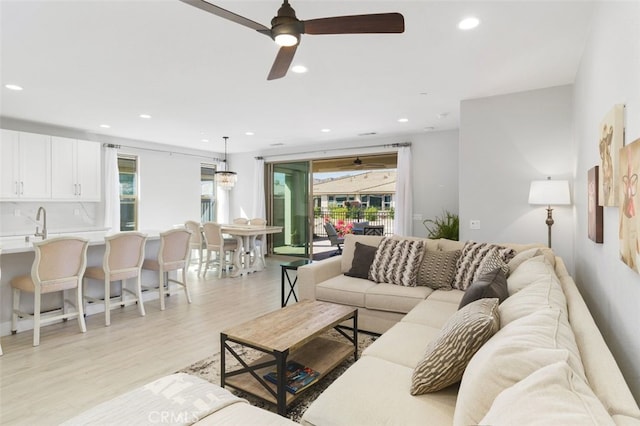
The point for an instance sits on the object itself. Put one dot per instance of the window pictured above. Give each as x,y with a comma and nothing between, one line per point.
207,193
128,171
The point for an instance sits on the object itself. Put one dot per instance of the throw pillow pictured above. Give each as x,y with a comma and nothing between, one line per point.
447,356
397,262
362,260
492,284
473,259
554,394
523,256
438,269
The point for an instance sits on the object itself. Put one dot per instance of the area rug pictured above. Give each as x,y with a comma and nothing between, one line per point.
209,369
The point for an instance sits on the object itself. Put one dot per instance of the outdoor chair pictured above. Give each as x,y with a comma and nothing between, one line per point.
333,237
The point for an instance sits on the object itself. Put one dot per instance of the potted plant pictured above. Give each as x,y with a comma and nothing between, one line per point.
446,226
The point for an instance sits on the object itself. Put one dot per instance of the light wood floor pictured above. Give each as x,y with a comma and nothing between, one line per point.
70,371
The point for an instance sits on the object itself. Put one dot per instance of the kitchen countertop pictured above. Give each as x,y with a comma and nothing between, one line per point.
17,244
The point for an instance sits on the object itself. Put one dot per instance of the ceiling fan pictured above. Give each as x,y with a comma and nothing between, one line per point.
359,164
286,28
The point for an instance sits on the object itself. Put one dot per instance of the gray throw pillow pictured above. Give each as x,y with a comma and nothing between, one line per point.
438,269
489,284
362,260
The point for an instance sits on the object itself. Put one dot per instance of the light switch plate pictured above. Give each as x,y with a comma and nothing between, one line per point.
474,224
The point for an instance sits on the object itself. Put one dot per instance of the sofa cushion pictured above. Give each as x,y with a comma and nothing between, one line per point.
552,395
434,312
522,256
446,357
374,391
529,271
397,262
473,259
543,292
438,269
488,285
394,298
362,260
344,290
411,337
514,352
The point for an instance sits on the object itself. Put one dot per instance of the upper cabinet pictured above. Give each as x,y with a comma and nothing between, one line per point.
25,166
75,169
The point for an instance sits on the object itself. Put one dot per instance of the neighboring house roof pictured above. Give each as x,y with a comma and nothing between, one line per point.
372,182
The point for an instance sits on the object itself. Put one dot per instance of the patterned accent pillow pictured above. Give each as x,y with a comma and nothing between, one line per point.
447,356
397,262
473,259
438,269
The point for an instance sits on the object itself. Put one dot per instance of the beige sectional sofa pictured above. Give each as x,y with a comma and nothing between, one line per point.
547,363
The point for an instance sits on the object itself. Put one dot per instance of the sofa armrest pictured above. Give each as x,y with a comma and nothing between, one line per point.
309,276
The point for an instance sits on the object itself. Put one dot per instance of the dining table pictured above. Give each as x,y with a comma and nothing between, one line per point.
246,259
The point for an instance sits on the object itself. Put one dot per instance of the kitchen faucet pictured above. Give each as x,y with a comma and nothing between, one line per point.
42,234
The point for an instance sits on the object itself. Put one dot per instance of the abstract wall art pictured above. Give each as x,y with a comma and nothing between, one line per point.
629,168
594,208
611,141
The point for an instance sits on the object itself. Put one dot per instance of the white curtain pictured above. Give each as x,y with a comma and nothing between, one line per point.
111,189
259,206
222,198
403,218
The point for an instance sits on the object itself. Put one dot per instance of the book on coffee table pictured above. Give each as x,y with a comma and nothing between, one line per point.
297,375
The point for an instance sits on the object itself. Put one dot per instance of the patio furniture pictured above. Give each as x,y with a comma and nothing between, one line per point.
333,237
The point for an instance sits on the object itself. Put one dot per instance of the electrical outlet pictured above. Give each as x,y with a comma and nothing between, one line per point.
16,212
474,224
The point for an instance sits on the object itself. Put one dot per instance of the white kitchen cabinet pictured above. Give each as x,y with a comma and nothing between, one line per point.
25,166
75,169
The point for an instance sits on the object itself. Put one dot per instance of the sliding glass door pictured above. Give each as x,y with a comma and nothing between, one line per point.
289,207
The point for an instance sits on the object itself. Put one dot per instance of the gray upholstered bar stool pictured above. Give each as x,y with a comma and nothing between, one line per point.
197,241
218,245
123,257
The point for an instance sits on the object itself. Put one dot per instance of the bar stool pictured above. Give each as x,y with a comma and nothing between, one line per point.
58,266
216,243
123,257
173,255
196,242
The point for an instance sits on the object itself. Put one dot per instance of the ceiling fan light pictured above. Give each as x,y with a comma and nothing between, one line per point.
286,40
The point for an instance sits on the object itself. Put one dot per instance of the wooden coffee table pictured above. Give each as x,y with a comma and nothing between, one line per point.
296,332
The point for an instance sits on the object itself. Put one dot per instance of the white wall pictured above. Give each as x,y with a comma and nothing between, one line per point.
609,74
434,170
505,143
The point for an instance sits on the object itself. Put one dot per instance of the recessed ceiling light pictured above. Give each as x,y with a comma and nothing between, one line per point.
403,120
204,140
13,87
468,23
249,133
105,126
299,69
325,130
145,116
442,115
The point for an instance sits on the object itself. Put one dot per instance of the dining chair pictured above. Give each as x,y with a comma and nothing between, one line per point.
217,244
261,240
58,266
240,221
173,255
123,257
197,241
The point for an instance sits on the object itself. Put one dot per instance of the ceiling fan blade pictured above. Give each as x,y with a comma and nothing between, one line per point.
356,24
223,13
282,62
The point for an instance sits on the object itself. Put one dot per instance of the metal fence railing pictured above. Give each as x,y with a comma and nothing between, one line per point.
379,218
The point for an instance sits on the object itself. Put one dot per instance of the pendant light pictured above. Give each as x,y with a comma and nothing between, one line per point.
224,178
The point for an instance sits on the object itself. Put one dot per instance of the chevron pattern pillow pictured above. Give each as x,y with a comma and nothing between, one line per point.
447,356
473,260
397,262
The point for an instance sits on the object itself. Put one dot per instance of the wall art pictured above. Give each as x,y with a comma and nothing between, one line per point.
629,168
594,209
610,142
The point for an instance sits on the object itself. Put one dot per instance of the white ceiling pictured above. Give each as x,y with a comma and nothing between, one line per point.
89,62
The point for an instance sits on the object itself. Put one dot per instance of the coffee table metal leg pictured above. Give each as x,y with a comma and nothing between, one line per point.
223,341
281,363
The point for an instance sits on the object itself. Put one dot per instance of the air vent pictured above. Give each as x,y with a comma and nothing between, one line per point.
367,134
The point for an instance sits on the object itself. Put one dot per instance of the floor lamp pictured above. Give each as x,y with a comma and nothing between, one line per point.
549,192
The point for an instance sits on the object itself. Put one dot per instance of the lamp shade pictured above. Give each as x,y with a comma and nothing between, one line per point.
549,192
